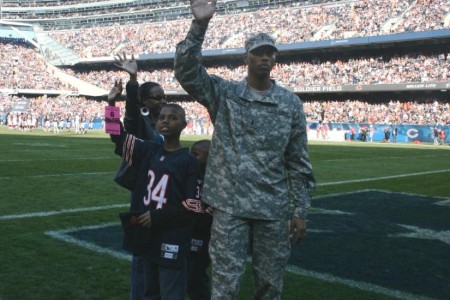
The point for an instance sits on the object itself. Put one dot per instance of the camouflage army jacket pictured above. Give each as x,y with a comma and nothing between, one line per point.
258,158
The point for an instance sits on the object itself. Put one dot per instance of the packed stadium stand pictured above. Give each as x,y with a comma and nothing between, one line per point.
361,61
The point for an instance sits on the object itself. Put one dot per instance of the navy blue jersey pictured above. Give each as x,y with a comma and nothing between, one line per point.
201,232
167,187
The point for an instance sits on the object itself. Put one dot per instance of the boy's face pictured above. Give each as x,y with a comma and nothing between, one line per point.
201,154
170,122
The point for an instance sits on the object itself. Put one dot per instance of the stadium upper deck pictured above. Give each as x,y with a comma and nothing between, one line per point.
288,24
291,22
53,15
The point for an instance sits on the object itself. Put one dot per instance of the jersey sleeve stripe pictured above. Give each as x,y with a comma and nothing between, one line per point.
128,148
194,205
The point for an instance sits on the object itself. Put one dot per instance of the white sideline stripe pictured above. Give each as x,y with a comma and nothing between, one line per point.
440,198
63,236
376,158
382,178
318,184
60,212
355,284
57,175
53,159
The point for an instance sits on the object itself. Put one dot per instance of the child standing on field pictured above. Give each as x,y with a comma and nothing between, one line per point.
163,204
142,107
198,283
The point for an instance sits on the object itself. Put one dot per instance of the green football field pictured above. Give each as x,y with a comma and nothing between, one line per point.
379,226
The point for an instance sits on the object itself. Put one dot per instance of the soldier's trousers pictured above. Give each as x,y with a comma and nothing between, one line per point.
229,249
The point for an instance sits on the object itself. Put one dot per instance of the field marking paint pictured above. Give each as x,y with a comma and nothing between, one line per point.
54,159
441,200
41,145
382,178
355,284
423,233
94,208
62,235
318,184
60,212
444,202
376,157
57,175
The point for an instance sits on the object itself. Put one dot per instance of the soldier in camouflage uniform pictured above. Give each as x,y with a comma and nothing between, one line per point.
258,161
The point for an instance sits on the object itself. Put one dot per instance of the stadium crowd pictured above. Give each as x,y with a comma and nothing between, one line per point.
21,66
56,114
43,3
288,25
65,8
78,114
24,68
25,15
393,112
387,69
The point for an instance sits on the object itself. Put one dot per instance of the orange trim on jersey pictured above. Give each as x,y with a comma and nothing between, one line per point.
193,205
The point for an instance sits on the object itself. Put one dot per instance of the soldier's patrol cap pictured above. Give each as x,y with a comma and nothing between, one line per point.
259,40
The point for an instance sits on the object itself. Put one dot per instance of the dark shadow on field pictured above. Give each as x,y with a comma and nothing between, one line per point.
393,240
107,237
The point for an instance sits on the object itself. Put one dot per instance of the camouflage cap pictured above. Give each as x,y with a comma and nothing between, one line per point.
259,40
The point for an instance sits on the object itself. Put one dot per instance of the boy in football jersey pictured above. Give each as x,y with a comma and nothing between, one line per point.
142,107
163,203
198,283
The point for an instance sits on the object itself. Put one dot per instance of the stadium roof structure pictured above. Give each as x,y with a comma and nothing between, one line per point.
436,39
58,17
411,40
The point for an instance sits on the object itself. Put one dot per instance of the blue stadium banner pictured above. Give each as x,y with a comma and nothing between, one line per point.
430,86
405,133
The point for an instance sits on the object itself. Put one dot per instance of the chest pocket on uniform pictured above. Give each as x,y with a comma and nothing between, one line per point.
236,114
269,125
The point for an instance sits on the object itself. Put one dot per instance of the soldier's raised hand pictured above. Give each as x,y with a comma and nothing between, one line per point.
203,10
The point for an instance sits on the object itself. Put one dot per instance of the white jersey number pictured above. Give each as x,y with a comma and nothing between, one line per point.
158,192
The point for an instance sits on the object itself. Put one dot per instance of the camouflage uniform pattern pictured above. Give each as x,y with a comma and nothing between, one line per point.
228,251
254,142
258,158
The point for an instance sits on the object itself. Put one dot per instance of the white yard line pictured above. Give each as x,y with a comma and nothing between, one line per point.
53,159
319,184
379,158
382,178
60,212
56,175
63,235
50,213
355,284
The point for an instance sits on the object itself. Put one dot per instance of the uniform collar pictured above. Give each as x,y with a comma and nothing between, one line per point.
245,93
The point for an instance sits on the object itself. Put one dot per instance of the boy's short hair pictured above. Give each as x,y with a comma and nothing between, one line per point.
202,144
178,108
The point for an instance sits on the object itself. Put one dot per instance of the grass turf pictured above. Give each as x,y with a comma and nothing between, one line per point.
67,176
